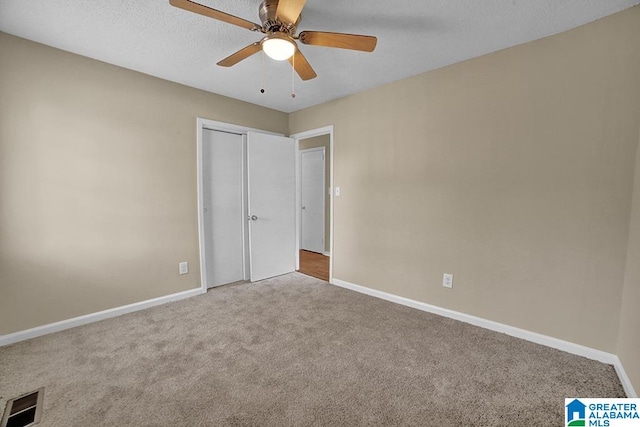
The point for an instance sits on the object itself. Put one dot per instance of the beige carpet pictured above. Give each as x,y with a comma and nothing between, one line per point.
295,351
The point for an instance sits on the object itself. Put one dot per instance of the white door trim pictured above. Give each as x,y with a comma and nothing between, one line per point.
202,123
327,130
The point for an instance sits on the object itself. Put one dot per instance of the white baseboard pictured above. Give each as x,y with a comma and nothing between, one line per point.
93,317
326,253
624,379
537,338
567,346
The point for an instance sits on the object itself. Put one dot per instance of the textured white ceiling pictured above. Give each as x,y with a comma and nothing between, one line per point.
414,36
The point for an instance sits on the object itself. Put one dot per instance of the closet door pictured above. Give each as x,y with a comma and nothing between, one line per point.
223,206
271,170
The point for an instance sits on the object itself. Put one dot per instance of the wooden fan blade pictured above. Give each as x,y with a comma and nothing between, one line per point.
215,14
339,40
289,10
302,66
243,53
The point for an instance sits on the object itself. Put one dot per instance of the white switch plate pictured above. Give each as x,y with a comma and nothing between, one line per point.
447,280
337,191
183,267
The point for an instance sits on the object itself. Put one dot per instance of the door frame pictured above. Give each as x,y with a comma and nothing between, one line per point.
326,130
324,195
202,123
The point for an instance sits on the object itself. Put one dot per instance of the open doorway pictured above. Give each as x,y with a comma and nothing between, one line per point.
314,202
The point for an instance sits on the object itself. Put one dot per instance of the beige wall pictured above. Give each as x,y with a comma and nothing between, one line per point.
323,141
629,337
513,171
97,183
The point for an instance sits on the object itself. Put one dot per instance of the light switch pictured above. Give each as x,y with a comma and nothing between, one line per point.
337,191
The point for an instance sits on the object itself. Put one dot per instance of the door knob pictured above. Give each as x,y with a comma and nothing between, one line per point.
304,207
253,218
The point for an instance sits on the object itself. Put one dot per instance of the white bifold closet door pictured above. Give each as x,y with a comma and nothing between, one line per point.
248,206
223,182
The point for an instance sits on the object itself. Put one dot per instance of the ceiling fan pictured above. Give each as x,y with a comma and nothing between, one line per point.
280,19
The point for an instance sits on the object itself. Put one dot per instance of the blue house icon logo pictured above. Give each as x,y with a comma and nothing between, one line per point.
576,413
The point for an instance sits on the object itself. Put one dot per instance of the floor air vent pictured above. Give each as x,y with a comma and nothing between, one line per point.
24,411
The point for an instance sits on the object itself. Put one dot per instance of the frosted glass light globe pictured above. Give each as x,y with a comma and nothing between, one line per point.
278,48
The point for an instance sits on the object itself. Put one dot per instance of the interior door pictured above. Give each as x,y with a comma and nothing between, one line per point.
271,170
312,183
222,154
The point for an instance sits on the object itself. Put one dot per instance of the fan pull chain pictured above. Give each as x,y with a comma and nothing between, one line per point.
262,74
293,75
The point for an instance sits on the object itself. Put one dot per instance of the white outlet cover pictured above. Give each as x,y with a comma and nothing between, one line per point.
183,267
447,280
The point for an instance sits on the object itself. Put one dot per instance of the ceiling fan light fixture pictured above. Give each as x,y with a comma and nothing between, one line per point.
278,46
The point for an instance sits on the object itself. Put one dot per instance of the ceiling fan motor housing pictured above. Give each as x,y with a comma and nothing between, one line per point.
270,23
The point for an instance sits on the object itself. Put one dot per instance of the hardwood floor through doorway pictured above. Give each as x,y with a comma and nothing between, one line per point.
314,264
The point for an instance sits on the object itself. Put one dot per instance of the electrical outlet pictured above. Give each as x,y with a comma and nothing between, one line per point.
447,280
183,267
